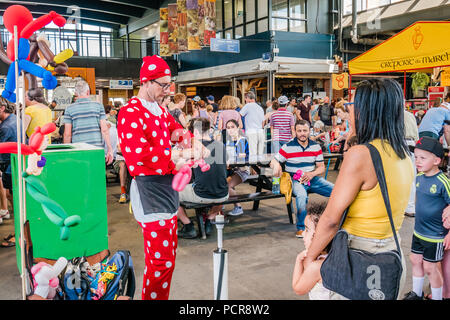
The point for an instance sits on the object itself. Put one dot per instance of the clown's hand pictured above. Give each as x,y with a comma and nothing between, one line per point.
32,164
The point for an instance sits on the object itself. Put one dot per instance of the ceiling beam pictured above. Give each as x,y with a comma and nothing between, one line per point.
95,6
84,14
146,4
83,20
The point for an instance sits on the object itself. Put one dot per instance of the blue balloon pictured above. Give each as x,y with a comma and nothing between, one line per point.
48,80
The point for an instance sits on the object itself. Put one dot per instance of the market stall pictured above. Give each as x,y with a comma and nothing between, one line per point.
419,47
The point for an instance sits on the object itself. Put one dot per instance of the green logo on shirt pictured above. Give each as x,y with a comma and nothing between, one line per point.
433,188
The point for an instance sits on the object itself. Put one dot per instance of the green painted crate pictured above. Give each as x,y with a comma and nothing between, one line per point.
74,176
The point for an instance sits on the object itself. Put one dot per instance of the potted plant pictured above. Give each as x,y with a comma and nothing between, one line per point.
420,81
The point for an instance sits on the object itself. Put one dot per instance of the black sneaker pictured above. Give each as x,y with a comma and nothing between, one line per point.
412,296
188,232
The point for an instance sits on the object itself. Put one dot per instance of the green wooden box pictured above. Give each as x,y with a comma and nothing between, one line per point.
75,178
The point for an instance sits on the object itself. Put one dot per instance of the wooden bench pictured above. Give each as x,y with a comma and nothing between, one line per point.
200,208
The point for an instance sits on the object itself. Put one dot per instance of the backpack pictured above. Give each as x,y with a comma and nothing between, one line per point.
123,282
77,284
325,112
75,281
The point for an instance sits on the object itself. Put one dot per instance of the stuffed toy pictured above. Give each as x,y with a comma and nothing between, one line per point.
45,277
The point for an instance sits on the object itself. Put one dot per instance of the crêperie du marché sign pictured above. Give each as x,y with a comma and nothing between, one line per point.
224,45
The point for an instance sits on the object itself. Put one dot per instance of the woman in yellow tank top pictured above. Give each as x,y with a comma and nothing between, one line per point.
37,113
377,118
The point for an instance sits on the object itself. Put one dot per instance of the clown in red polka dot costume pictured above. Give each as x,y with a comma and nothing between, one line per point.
146,134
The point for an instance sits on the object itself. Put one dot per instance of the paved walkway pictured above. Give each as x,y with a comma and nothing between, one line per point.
261,246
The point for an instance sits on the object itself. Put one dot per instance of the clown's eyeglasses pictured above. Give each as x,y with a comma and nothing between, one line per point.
164,86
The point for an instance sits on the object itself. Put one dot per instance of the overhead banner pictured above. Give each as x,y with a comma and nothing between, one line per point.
339,81
173,29
210,21
182,26
164,32
445,77
201,22
419,46
193,25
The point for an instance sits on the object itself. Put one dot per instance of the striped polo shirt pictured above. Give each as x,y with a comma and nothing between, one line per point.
84,115
282,121
297,157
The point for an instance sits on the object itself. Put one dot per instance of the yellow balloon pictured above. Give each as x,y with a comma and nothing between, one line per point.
63,56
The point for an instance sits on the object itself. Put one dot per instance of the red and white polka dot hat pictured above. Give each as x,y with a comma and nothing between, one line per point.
154,67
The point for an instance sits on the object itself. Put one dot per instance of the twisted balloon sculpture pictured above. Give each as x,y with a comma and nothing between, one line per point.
36,188
20,17
54,212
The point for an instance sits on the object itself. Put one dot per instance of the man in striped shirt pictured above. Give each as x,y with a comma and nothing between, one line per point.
85,121
301,153
281,125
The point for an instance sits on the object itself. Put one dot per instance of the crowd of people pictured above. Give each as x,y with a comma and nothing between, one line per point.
154,135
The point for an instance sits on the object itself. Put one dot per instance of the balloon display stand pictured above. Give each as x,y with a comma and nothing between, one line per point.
74,176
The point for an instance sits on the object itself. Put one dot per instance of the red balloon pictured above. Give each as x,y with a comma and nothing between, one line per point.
36,140
11,147
16,15
10,50
48,128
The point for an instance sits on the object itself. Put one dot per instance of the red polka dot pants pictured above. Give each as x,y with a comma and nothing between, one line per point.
160,245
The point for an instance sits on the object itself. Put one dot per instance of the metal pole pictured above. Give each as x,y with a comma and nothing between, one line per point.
19,165
220,261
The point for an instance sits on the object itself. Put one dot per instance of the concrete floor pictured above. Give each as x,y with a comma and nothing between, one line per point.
261,246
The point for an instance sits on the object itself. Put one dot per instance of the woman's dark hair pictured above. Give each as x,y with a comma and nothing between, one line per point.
107,108
232,121
379,107
37,95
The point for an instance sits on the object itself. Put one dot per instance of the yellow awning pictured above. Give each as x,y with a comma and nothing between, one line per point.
422,45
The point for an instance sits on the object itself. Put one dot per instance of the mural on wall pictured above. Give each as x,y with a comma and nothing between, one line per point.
209,21
173,29
193,25
182,26
187,25
164,32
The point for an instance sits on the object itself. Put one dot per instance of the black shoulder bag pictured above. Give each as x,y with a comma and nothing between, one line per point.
358,274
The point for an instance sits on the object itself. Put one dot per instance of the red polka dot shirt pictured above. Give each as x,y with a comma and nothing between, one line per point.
145,132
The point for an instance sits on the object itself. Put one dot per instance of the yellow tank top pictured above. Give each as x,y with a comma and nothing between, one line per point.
367,216
39,117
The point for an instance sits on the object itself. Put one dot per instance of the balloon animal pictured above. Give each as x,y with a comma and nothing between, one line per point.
21,17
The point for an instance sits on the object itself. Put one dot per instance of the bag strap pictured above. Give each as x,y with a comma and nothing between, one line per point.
379,170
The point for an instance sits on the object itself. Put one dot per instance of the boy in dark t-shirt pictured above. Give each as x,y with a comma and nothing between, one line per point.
208,187
432,197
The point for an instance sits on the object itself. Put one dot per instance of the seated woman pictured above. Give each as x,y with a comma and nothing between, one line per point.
227,112
318,135
237,150
208,187
378,120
